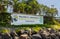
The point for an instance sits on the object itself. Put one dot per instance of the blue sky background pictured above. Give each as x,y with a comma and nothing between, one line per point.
56,4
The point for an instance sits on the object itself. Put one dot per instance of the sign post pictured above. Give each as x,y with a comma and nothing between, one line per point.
19,19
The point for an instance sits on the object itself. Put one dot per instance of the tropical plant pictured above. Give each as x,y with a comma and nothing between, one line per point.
34,6
4,19
36,29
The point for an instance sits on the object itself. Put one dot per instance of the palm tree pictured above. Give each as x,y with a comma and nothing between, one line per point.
48,11
52,12
33,4
28,9
22,7
15,6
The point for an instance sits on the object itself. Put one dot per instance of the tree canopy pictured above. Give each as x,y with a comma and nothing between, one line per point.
27,7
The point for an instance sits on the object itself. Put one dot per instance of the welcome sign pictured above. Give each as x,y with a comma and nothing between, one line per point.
19,19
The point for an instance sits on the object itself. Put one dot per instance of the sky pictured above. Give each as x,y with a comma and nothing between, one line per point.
51,2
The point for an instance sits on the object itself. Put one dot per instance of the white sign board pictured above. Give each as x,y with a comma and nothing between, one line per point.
19,19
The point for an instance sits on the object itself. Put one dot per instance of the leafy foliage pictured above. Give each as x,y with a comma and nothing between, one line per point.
4,19
26,7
